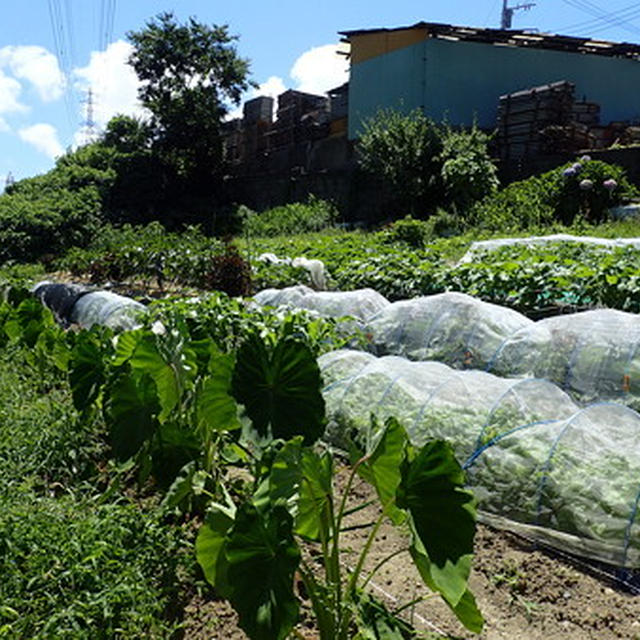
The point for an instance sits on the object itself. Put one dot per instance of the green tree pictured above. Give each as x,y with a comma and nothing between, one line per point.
404,150
468,174
189,73
143,181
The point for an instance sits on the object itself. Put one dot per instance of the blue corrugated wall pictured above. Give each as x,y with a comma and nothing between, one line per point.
463,80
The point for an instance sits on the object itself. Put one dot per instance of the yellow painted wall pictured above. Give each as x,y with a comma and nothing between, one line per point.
370,45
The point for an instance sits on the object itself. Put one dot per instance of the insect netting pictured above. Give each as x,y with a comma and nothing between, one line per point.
453,328
107,309
76,304
537,461
361,304
486,246
593,355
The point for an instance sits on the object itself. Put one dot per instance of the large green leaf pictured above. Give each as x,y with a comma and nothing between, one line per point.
263,558
147,359
301,480
131,409
313,520
217,409
126,344
376,622
86,370
280,388
210,548
443,515
465,609
173,447
29,320
381,467
280,483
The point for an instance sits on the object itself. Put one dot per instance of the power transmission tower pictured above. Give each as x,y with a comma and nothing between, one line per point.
90,128
507,12
9,180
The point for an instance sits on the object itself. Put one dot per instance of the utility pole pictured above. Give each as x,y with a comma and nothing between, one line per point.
507,12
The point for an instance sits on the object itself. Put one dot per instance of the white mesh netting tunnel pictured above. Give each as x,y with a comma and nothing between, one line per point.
569,476
362,304
593,355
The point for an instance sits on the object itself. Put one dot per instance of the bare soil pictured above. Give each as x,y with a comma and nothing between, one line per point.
523,591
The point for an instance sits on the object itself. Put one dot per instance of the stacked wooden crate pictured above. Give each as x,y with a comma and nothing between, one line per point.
524,114
296,110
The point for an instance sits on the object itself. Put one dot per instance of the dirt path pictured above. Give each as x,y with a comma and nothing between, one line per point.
523,592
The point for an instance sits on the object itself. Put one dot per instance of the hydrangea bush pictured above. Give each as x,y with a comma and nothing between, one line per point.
589,188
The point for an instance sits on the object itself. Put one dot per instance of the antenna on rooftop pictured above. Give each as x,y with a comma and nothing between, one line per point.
507,12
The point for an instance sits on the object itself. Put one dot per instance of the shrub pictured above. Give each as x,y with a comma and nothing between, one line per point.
521,205
404,150
297,217
468,174
587,188
415,233
229,272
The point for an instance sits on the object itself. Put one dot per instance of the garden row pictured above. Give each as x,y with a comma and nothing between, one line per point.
183,412
534,280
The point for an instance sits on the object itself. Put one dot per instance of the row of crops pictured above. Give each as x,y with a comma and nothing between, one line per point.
219,411
209,385
535,280
515,398
512,396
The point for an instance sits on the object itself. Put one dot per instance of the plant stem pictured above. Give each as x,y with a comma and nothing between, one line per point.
413,602
335,553
381,564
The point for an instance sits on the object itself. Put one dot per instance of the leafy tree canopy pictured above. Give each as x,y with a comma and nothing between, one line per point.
190,73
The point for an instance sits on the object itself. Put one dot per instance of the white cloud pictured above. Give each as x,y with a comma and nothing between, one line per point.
320,69
113,81
10,90
272,87
36,65
44,138
4,127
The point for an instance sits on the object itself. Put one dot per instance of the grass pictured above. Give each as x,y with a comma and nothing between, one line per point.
74,564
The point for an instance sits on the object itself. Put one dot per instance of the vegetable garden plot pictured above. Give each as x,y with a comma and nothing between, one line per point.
362,304
570,476
486,246
454,328
593,355
430,399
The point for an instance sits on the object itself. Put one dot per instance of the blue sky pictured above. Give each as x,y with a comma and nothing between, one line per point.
52,51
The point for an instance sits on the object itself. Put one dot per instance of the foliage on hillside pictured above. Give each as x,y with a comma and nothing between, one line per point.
51,213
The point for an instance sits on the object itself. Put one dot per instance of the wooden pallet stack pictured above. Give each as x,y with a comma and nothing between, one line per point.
524,114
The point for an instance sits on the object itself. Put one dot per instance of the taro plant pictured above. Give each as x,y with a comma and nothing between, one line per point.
252,550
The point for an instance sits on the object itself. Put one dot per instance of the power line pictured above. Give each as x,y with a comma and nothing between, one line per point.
611,20
61,46
627,13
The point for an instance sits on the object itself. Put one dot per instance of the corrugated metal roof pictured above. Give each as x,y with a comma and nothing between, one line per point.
515,38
